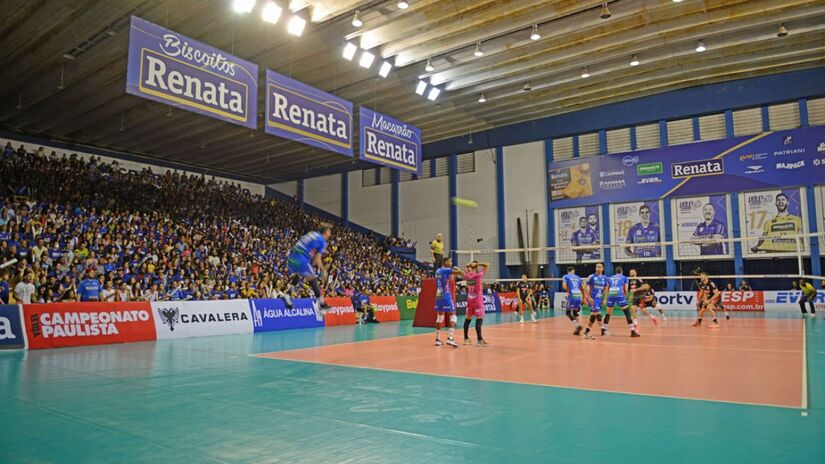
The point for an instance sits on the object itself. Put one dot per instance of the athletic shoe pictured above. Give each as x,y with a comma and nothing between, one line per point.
727,317
452,343
696,324
578,331
438,342
534,320
588,336
605,333
664,318
521,321
655,321
634,334
467,341
482,343
714,326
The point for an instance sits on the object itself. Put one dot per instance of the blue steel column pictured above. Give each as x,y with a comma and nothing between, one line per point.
551,218
670,262
394,206
738,261
502,243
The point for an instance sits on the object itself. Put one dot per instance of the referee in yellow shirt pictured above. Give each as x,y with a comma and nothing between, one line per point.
437,249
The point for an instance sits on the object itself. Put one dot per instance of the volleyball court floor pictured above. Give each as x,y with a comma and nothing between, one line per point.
752,391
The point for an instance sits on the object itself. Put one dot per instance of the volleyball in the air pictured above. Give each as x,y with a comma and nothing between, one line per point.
458,201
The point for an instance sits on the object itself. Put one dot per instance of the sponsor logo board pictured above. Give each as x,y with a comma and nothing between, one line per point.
182,319
92,323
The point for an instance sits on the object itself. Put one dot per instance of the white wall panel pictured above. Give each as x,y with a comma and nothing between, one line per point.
479,223
287,188
324,192
525,179
424,212
369,206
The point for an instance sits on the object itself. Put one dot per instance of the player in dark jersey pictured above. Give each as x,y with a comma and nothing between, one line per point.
637,304
709,296
525,298
650,301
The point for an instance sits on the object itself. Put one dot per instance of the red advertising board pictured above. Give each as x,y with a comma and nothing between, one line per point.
509,301
340,312
386,308
743,301
76,324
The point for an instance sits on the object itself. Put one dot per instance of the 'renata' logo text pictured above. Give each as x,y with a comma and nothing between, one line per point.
173,46
710,167
74,324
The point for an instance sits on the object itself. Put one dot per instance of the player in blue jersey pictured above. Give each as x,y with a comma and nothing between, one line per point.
585,241
306,254
708,235
444,304
643,232
616,297
596,288
572,284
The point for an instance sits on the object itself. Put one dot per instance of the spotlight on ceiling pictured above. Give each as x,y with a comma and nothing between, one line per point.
527,87
634,61
296,25
386,67
585,73
700,46
402,5
429,66
482,98
605,12
677,1
479,51
366,59
782,32
271,12
356,21
535,34
434,92
421,87
349,51
243,6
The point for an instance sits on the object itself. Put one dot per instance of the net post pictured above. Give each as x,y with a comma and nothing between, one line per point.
799,261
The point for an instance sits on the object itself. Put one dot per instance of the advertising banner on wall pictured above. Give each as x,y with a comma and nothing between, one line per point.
407,305
273,314
341,312
580,229
686,301
773,218
635,226
76,324
508,301
181,319
12,335
386,308
173,69
770,159
389,142
302,113
700,223
788,300
820,200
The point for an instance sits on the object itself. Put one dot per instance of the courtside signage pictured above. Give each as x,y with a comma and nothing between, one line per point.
340,312
170,68
274,315
389,142
12,335
182,319
302,113
386,308
76,324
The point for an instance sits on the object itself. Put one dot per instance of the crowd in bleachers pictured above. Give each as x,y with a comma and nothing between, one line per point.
166,237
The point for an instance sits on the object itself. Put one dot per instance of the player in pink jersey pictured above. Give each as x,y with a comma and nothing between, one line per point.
474,276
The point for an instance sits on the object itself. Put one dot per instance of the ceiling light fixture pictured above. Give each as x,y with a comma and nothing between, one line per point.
527,87
585,73
429,66
421,87
634,61
700,47
356,21
271,12
61,85
366,59
479,51
535,34
605,12
349,51
386,67
782,32
482,98
677,1
243,6
434,92
19,101
403,5
296,25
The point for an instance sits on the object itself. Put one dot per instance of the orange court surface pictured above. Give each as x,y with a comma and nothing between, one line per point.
746,361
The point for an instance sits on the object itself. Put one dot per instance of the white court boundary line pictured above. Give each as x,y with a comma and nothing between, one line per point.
804,365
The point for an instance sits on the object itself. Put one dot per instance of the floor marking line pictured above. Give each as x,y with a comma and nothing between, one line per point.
804,365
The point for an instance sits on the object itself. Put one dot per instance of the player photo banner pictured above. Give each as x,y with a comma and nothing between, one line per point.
171,68
762,161
772,219
578,234
389,142
302,113
820,196
701,223
636,227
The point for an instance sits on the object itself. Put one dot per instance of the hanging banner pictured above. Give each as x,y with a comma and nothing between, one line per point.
637,226
579,233
302,113
773,218
698,221
171,68
769,159
389,142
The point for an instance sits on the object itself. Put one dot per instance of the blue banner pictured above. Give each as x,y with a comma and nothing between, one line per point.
270,315
389,142
770,159
302,113
171,68
12,335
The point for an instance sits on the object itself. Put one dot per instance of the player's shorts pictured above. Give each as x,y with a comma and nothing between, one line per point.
616,300
574,304
596,307
522,297
301,266
445,305
475,307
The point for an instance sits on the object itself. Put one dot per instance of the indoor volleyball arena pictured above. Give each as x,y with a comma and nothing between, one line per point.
425,231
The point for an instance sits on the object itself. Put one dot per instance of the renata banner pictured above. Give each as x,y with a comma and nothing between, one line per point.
12,335
341,312
173,69
389,142
182,319
273,314
302,113
386,308
508,301
76,324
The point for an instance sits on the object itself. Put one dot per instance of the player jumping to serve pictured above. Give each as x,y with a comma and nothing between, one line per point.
306,254
444,301
474,276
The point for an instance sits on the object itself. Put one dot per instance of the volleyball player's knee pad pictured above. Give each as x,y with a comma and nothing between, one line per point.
439,318
453,318
599,317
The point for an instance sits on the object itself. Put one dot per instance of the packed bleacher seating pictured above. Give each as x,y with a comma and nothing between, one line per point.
172,236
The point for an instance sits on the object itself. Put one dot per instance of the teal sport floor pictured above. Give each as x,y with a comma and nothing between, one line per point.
207,400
